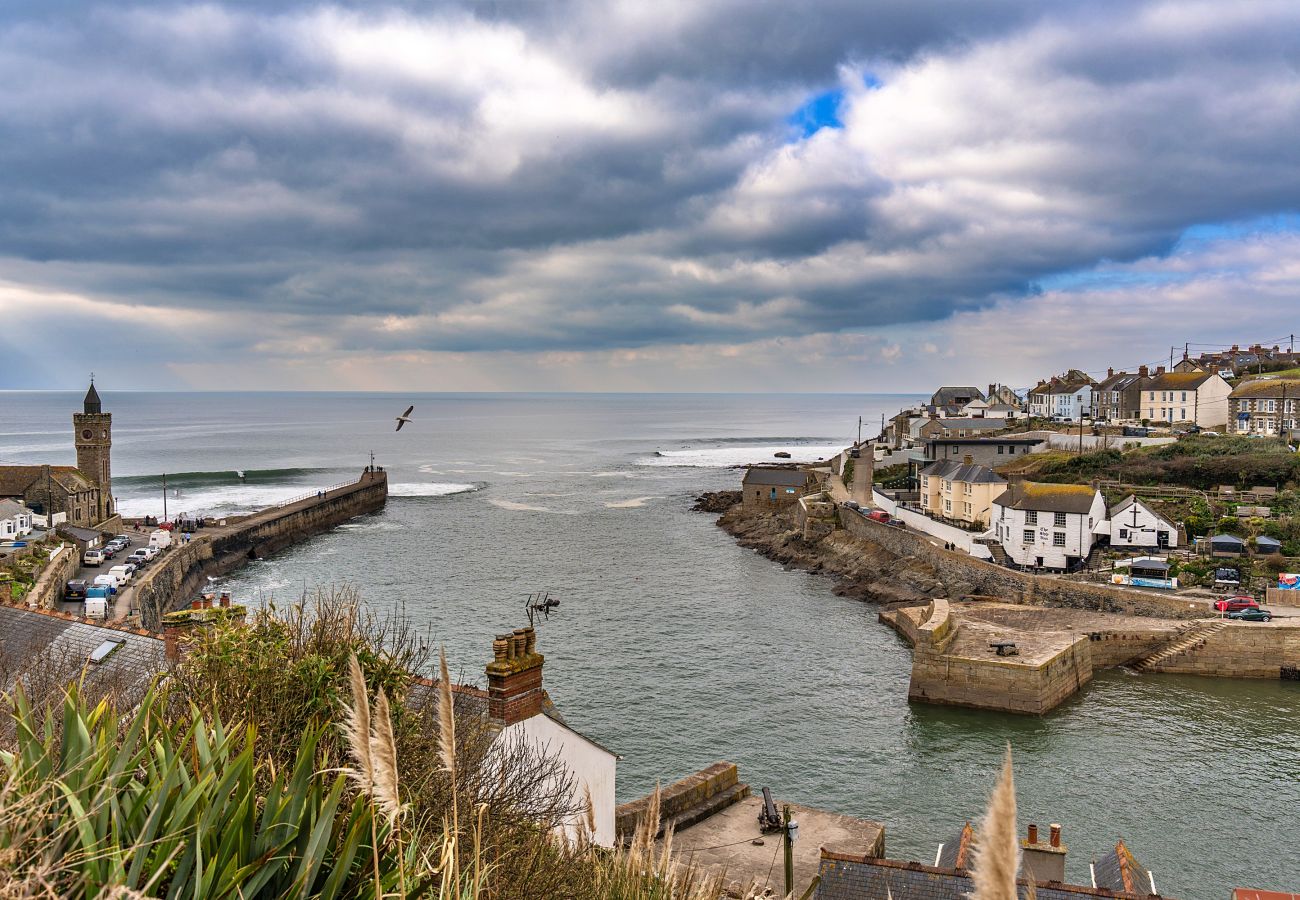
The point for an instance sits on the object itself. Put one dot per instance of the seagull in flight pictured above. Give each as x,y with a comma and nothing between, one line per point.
404,418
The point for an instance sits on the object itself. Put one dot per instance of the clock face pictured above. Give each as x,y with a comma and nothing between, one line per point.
87,433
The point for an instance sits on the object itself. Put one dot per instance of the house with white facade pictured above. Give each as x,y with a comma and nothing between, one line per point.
15,520
1039,401
518,705
1132,523
1047,526
1070,396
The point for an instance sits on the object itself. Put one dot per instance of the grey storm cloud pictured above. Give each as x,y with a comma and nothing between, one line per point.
579,176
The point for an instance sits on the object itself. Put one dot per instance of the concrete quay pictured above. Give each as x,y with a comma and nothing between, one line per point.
218,551
955,661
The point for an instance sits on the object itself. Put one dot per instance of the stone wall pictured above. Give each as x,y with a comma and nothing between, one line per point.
963,574
1241,650
1000,683
680,797
174,581
49,586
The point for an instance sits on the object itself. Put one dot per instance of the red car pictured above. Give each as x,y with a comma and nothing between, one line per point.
1235,604
878,515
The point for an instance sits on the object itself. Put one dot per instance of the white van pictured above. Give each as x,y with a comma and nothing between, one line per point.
96,608
122,572
160,539
92,558
108,580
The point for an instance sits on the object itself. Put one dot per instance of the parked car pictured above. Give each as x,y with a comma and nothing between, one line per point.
108,581
109,551
1235,604
92,558
75,590
878,515
140,556
1253,614
851,504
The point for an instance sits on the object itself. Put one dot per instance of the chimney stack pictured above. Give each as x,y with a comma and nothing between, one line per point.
1044,862
515,677
1143,371
1110,372
1160,370
968,460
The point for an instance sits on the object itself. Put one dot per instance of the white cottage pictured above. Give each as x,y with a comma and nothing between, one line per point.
521,708
15,520
1047,526
1134,524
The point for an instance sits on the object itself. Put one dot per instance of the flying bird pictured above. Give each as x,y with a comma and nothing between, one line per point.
404,418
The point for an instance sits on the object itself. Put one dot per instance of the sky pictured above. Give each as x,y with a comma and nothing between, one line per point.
681,195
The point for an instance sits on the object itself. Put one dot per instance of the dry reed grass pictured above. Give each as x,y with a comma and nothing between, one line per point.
997,855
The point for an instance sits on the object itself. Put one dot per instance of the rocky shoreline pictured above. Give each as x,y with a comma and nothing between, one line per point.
859,568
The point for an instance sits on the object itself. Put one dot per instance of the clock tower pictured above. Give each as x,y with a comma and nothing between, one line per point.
94,438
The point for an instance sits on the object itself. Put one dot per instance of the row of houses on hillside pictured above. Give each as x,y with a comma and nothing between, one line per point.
1039,525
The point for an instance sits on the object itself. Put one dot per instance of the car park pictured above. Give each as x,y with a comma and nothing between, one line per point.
109,551
75,590
1235,604
1253,614
92,558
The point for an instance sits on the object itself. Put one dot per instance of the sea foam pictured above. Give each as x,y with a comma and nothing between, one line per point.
725,457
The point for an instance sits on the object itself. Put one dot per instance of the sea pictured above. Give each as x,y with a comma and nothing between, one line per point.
675,647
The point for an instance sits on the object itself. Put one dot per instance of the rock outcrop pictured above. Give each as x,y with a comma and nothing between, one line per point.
860,569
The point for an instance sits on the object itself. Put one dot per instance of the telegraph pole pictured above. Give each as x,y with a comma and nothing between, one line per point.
859,431
789,850
164,518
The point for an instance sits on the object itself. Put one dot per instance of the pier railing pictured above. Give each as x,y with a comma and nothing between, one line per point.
311,495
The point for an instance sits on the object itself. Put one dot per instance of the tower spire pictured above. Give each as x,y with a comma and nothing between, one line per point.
92,405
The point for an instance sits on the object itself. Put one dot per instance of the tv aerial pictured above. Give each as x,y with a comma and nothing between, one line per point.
539,603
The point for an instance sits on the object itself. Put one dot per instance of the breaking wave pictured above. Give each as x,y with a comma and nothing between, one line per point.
431,489
726,457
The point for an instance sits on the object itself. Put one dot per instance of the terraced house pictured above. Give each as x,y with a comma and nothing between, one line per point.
962,491
1264,406
1197,397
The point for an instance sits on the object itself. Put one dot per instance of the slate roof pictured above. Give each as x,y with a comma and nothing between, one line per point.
1264,541
1231,539
971,424
1178,381
1119,871
1268,388
848,877
953,470
10,508
1117,382
1067,498
959,394
957,853
1018,439
776,477
15,480
91,404
34,645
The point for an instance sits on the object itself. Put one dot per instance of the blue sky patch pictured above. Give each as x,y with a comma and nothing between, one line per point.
821,111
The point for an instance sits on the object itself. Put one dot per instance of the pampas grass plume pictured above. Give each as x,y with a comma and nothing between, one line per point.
997,855
356,727
383,755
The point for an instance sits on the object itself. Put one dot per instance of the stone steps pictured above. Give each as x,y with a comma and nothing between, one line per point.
1190,640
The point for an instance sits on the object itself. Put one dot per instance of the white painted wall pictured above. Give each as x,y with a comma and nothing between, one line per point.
1009,526
593,766
1124,533
963,540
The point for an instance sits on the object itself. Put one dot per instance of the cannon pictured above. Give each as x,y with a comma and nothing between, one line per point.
769,819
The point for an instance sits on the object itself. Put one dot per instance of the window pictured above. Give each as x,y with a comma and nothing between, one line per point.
1000,448
1058,539
1028,536
1031,517
947,506
1184,396
1123,534
966,508
1060,520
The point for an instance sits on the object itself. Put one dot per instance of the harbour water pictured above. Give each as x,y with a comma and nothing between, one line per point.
675,647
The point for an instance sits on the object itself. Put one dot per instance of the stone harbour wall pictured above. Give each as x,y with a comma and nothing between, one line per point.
49,585
183,571
1241,650
962,574
1000,683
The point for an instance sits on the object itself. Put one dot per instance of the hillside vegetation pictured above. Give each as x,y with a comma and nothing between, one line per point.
1194,461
